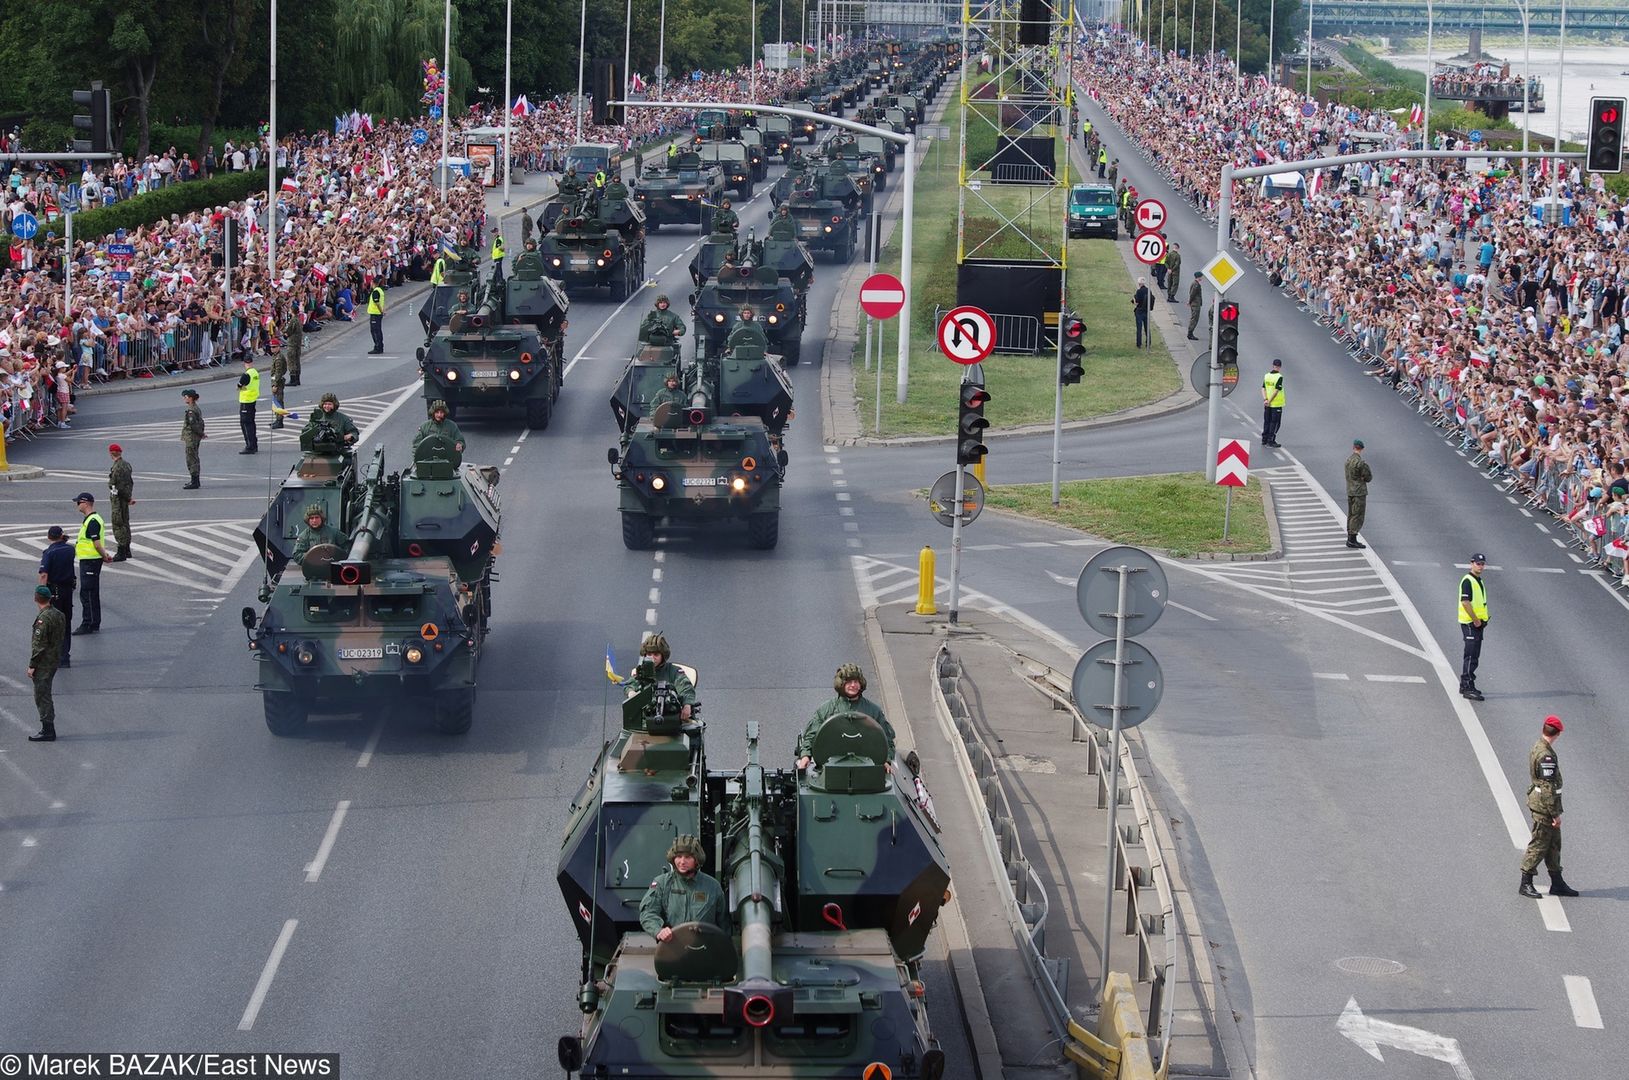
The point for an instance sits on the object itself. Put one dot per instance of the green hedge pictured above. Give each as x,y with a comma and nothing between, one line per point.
139,210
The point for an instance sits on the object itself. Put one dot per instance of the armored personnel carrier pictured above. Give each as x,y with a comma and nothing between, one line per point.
776,304
506,354
832,876
716,457
683,190
602,243
398,610
778,134
868,170
462,273
805,129
828,211
735,163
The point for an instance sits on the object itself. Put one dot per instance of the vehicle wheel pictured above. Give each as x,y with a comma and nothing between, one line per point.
619,287
455,711
764,530
285,713
652,226
792,352
559,374
638,531
538,412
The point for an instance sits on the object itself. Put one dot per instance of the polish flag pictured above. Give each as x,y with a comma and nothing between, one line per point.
522,107
320,272
1416,115
636,84
1617,549
290,184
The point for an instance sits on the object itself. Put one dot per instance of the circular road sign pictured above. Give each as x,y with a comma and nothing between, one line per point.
420,136
1097,590
1093,684
24,226
882,296
967,334
1200,375
1475,136
942,498
1150,247
1150,214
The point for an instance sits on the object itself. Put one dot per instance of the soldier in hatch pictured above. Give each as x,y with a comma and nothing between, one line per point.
683,893
849,683
438,424
655,650
746,331
315,532
661,320
328,414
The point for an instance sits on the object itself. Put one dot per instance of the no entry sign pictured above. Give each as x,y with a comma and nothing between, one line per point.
882,296
967,334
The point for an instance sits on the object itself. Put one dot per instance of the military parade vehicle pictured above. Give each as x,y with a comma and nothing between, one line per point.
716,456
832,878
733,161
461,273
828,211
777,306
757,154
778,135
600,243
506,353
396,610
867,170
805,129
885,149
682,190
718,249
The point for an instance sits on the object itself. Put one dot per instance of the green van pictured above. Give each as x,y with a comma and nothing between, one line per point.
1092,211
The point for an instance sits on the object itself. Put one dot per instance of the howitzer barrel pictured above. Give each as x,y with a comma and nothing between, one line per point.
489,314
371,522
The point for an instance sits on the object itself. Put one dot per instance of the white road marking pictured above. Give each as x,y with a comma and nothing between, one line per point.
313,869
851,526
1558,542
1370,1035
522,438
1585,1013
1467,566
1543,569
1610,591
515,449
829,449
267,974
372,744
656,574
650,616
1541,527
609,321
655,595
508,461
660,556
1576,559
843,496
834,460
855,542
1337,676
1554,915
1526,513
836,472
1184,607
1395,678
15,684
1402,562
839,483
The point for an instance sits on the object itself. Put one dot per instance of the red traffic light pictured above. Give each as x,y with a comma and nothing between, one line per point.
1607,115
974,397
1074,328
1228,312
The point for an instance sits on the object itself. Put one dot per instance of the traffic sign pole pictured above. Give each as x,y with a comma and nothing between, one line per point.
1213,408
956,539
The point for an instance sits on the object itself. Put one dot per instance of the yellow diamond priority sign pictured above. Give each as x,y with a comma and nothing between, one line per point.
1222,271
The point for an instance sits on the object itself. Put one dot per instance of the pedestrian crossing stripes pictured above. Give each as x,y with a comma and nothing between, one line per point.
882,582
363,410
207,557
93,476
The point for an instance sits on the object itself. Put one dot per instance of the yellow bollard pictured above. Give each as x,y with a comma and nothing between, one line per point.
925,582
978,471
4,467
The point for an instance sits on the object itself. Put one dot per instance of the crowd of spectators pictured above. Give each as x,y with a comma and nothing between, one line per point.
1499,311
362,205
1479,81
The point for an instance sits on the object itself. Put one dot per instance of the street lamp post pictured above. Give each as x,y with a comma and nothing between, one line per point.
446,95
1238,31
1272,25
627,48
582,42
271,162
1527,81
1560,85
1213,30
1193,24
508,102
661,55
1311,4
1430,43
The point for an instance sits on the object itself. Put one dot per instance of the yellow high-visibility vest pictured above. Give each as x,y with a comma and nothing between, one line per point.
1479,599
438,272
376,301
84,546
497,246
1273,387
250,393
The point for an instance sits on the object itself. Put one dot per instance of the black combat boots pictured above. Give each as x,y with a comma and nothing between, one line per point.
1559,886
45,734
1527,889
192,486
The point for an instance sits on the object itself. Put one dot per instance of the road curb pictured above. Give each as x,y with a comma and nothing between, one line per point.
21,472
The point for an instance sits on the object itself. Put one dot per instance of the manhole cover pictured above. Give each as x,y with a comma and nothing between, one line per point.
1369,965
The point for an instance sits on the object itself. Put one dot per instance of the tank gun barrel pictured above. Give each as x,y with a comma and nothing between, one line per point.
371,522
490,314
754,879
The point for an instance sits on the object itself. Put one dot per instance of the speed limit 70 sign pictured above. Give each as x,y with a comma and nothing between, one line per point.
1150,247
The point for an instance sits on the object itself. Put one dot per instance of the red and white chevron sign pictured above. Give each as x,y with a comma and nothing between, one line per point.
1232,462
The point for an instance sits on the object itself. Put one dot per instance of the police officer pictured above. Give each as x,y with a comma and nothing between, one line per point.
57,574
1103,162
497,254
45,648
726,220
328,412
1473,622
849,683
1196,303
1272,403
192,433
279,379
438,269
654,649
376,318
121,490
439,424
248,397
683,893
599,179
1544,800
660,318
314,532
746,331
1358,476
91,554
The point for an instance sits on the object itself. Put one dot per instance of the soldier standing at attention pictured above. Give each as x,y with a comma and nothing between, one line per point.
1358,475
849,683
121,489
45,650
1173,271
248,398
192,433
294,334
279,379
526,227
1473,622
1544,800
1272,403
1196,303
683,893
89,550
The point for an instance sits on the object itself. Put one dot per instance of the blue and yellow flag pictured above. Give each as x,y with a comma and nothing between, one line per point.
611,665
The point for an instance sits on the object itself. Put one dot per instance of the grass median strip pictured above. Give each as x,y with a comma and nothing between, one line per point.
1177,512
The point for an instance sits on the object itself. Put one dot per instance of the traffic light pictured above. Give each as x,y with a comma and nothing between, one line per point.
1605,135
970,424
231,244
607,87
1227,334
1071,362
96,120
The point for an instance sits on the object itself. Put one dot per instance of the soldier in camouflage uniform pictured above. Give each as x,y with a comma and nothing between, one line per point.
279,379
192,433
683,893
661,320
849,682
438,424
669,397
295,335
314,532
1544,800
45,653
121,489
726,220
654,648
746,331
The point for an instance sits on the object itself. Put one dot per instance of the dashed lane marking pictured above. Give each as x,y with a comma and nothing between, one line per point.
1581,996
267,974
1395,679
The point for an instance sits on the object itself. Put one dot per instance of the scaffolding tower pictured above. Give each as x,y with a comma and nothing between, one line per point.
1017,120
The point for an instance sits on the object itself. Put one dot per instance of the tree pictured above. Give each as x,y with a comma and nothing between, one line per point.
222,31
380,46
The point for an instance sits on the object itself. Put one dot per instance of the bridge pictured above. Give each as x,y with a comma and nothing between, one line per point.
1384,16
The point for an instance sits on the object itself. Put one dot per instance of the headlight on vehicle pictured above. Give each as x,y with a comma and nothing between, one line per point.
718,317
556,260
828,228
452,375
413,654
514,374
658,483
773,319
738,484
305,656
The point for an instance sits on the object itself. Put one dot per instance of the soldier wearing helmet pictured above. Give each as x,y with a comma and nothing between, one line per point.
683,893
746,331
656,666
726,219
849,682
669,396
328,414
665,325
316,531
783,227
438,424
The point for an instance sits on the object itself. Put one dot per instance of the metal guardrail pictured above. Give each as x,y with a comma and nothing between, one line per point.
1018,334
1139,863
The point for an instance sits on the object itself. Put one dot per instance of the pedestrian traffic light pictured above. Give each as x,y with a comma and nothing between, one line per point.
970,424
1227,334
607,87
96,121
1605,153
1071,360
230,244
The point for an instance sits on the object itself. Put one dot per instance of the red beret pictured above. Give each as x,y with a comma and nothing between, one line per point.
115,448
1555,722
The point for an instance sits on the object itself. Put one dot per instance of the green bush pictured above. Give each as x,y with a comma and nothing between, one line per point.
139,210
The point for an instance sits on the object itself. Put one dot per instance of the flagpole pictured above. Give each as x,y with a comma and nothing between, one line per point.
508,107
271,166
446,96
582,41
627,48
